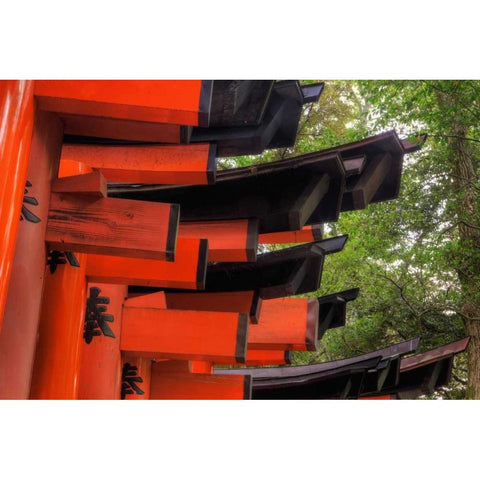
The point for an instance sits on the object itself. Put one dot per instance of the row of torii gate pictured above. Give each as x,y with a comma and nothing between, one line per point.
129,265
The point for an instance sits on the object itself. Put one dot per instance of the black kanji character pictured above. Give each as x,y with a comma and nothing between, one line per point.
95,317
130,380
56,258
26,213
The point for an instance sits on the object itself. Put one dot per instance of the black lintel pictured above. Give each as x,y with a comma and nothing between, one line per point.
278,127
281,273
282,198
239,102
423,379
311,93
399,349
332,309
254,191
344,382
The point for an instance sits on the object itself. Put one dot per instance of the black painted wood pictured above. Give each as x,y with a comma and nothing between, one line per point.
332,310
257,191
341,383
283,197
239,102
278,127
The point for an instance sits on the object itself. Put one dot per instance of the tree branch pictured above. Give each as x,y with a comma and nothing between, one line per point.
401,290
458,379
455,136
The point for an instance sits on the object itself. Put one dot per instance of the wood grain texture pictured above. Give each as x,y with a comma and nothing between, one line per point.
112,226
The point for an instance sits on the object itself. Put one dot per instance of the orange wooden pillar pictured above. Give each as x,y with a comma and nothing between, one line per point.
229,240
183,334
286,324
18,336
57,357
242,302
156,164
309,233
16,125
136,375
188,270
172,381
101,361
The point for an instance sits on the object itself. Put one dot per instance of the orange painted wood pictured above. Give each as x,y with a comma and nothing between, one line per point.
164,101
187,271
286,324
242,302
309,233
57,357
151,300
136,374
92,183
184,334
18,336
377,397
16,126
56,367
169,383
228,241
197,366
101,361
116,129
112,226
156,164
266,357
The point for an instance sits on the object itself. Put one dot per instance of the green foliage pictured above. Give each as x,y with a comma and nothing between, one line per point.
415,266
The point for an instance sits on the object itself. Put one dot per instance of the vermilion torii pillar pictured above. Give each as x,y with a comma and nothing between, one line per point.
172,380
101,362
136,376
18,335
16,125
56,366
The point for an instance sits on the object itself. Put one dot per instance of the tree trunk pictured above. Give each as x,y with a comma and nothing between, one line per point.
468,261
